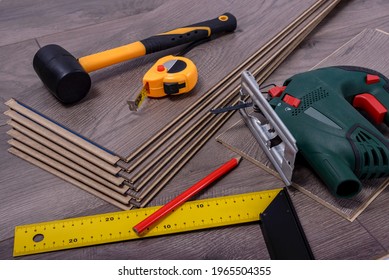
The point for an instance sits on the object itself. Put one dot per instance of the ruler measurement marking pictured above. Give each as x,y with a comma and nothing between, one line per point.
117,226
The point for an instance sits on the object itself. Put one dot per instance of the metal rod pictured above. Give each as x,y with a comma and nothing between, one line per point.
162,180
177,144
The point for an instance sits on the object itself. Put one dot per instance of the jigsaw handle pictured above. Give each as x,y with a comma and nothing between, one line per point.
369,90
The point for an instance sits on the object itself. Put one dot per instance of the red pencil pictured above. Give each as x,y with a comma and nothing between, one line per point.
181,198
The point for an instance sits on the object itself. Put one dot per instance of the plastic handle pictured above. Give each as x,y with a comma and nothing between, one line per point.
190,33
366,89
110,57
179,36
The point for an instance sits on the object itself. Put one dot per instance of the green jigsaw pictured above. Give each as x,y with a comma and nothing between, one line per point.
328,115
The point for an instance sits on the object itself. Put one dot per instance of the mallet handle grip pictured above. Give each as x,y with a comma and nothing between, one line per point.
110,57
166,40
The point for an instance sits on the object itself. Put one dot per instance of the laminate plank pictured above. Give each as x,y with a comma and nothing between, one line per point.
17,76
61,131
368,49
33,195
348,20
19,138
80,181
68,171
22,123
26,133
333,237
25,19
375,219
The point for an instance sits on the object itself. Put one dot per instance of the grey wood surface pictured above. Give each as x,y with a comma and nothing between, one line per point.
152,181
30,195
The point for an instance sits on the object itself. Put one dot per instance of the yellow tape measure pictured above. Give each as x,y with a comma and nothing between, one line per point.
117,226
170,75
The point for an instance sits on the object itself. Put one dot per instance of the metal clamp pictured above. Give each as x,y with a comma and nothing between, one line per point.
281,154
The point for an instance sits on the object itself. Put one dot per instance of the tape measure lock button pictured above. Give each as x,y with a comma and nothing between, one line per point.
160,68
173,88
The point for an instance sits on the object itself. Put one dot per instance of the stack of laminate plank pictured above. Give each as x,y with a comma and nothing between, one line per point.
126,158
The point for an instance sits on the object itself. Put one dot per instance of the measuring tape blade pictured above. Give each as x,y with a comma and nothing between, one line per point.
117,226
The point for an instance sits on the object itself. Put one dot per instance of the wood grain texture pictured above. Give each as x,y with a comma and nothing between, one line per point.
333,237
76,163
24,124
142,194
84,184
68,171
367,49
377,214
32,195
62,131
16,72
25,132
348,20
32,19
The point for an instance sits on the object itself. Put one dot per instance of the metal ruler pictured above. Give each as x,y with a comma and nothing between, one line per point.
117,226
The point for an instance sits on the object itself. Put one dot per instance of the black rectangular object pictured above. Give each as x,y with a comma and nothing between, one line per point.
283,233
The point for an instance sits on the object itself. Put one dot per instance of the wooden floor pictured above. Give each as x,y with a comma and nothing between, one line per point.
30,195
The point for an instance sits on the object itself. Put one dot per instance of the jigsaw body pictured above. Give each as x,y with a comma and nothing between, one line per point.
325,110
339,143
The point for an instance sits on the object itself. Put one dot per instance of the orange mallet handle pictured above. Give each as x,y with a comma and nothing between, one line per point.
156,43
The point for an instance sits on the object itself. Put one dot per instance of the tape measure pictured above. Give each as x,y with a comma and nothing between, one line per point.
117,226
170,75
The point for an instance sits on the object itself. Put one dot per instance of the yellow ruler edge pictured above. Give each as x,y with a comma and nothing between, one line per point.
117,226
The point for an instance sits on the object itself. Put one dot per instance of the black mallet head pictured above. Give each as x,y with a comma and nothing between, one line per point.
61,73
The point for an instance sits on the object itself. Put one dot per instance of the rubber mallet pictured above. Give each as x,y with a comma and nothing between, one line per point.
68,79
